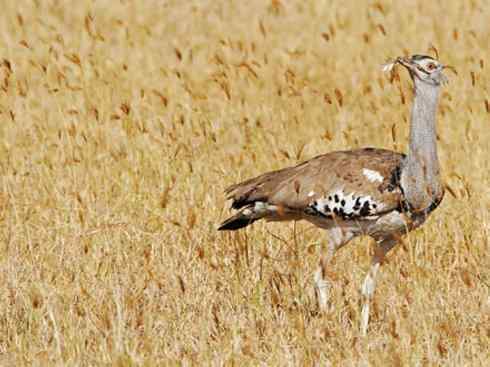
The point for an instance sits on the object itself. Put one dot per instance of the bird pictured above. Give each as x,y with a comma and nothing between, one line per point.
368,191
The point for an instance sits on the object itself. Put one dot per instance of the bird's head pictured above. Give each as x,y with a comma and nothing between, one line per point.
423,69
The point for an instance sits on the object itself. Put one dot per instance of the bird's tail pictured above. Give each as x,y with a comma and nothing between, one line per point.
246,216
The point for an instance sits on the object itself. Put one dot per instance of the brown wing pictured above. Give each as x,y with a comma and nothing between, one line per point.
353,184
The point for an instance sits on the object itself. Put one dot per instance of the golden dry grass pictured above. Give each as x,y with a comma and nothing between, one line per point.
123,121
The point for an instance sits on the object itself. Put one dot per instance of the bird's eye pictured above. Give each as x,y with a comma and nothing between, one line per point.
431,66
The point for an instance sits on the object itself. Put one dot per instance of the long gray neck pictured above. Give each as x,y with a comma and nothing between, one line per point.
420,173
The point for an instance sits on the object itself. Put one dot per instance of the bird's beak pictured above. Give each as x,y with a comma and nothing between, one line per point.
405,61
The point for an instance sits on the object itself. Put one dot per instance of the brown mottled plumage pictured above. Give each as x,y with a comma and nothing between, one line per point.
289,187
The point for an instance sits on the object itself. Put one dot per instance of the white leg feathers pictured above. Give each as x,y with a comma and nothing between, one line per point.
338,238
322,288
369,285
367,291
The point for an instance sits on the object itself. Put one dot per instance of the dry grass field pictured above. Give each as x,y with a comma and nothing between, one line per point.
121,122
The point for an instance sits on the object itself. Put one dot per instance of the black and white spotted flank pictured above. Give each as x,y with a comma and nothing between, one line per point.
345,206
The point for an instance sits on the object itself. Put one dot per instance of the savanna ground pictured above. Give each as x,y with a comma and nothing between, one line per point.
121,122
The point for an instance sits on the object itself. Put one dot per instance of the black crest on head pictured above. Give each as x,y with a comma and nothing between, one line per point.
421,57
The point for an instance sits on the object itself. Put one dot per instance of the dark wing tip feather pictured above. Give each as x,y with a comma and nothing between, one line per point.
243,193
236,222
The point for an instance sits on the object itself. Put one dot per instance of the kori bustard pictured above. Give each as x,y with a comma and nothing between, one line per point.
370,191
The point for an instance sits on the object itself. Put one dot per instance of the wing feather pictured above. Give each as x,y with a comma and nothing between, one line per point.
356,184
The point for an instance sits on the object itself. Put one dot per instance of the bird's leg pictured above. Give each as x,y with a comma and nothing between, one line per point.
369,284
321,282
338,238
